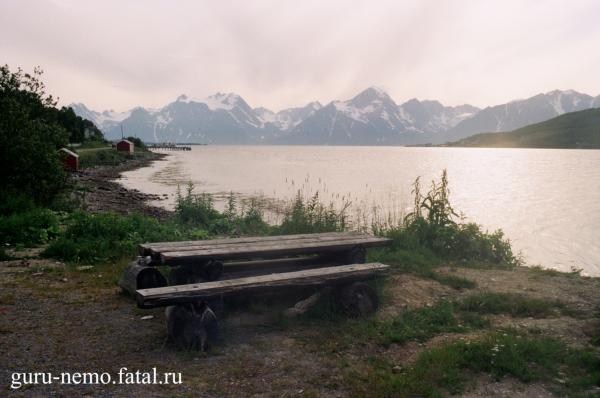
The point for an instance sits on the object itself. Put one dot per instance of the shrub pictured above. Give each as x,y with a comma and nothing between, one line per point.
432,225
312,216
29,228
197,210
92,238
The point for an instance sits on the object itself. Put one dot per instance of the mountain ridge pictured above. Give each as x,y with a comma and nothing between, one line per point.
573,130
371,117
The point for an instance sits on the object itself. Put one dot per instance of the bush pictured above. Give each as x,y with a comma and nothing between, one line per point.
29,228
432,226
197,210
92,238
312,216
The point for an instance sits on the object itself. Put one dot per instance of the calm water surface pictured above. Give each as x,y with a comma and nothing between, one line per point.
546,201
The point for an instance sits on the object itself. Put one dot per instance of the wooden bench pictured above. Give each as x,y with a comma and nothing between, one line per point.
337,275
191,323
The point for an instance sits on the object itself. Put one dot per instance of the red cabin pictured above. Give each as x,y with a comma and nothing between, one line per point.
125,146
69,159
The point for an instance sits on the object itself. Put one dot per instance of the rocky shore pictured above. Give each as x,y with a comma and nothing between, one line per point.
100,192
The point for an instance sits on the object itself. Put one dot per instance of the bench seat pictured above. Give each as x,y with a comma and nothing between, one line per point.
170,295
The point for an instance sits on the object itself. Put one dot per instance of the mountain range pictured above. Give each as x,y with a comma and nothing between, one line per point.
574,130
370,118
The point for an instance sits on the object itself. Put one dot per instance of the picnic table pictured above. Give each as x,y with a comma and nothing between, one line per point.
201,271
349,244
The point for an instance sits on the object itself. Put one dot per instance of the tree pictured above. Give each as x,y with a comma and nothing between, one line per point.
79,129
30,136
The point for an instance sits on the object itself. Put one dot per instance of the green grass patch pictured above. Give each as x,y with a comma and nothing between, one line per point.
422,324
516,305
93,238
338,332
29,228
105,156
449,368
456,282
593,331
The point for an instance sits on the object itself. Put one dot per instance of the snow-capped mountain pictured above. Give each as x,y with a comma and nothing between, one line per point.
373,118
432,116
287,118
520,113
103,120
370,118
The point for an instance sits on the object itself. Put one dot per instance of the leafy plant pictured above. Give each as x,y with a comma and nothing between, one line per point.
312,216
29,228
435,226
92,238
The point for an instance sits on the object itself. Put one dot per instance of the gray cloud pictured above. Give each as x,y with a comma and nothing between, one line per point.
117,54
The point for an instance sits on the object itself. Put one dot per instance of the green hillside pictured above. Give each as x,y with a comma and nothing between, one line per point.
571,130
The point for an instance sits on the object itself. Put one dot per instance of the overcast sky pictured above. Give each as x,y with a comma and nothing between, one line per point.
119,54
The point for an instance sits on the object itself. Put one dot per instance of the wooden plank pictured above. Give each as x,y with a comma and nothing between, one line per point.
273,249
147,248
147,298
247,239
239,266
155,253
239,269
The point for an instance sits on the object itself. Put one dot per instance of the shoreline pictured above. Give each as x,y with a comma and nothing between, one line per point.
104,193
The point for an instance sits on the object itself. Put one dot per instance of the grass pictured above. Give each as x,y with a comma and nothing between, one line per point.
459,316
334,332
452,317
29,228
516,305
95,238
594,332
456,282
91,157
449,368
312,216
422,324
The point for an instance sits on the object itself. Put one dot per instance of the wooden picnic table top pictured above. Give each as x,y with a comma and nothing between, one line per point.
176,253
163,296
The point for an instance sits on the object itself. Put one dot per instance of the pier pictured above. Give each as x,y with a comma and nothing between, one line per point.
170,147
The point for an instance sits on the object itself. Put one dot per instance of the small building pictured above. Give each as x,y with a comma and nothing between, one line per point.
69,159
125,146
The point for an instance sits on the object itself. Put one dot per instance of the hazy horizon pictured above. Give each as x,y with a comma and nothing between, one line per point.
110,55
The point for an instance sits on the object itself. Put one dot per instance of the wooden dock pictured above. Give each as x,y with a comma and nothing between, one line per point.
170,147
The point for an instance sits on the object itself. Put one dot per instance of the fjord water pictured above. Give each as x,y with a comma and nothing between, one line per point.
546,201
